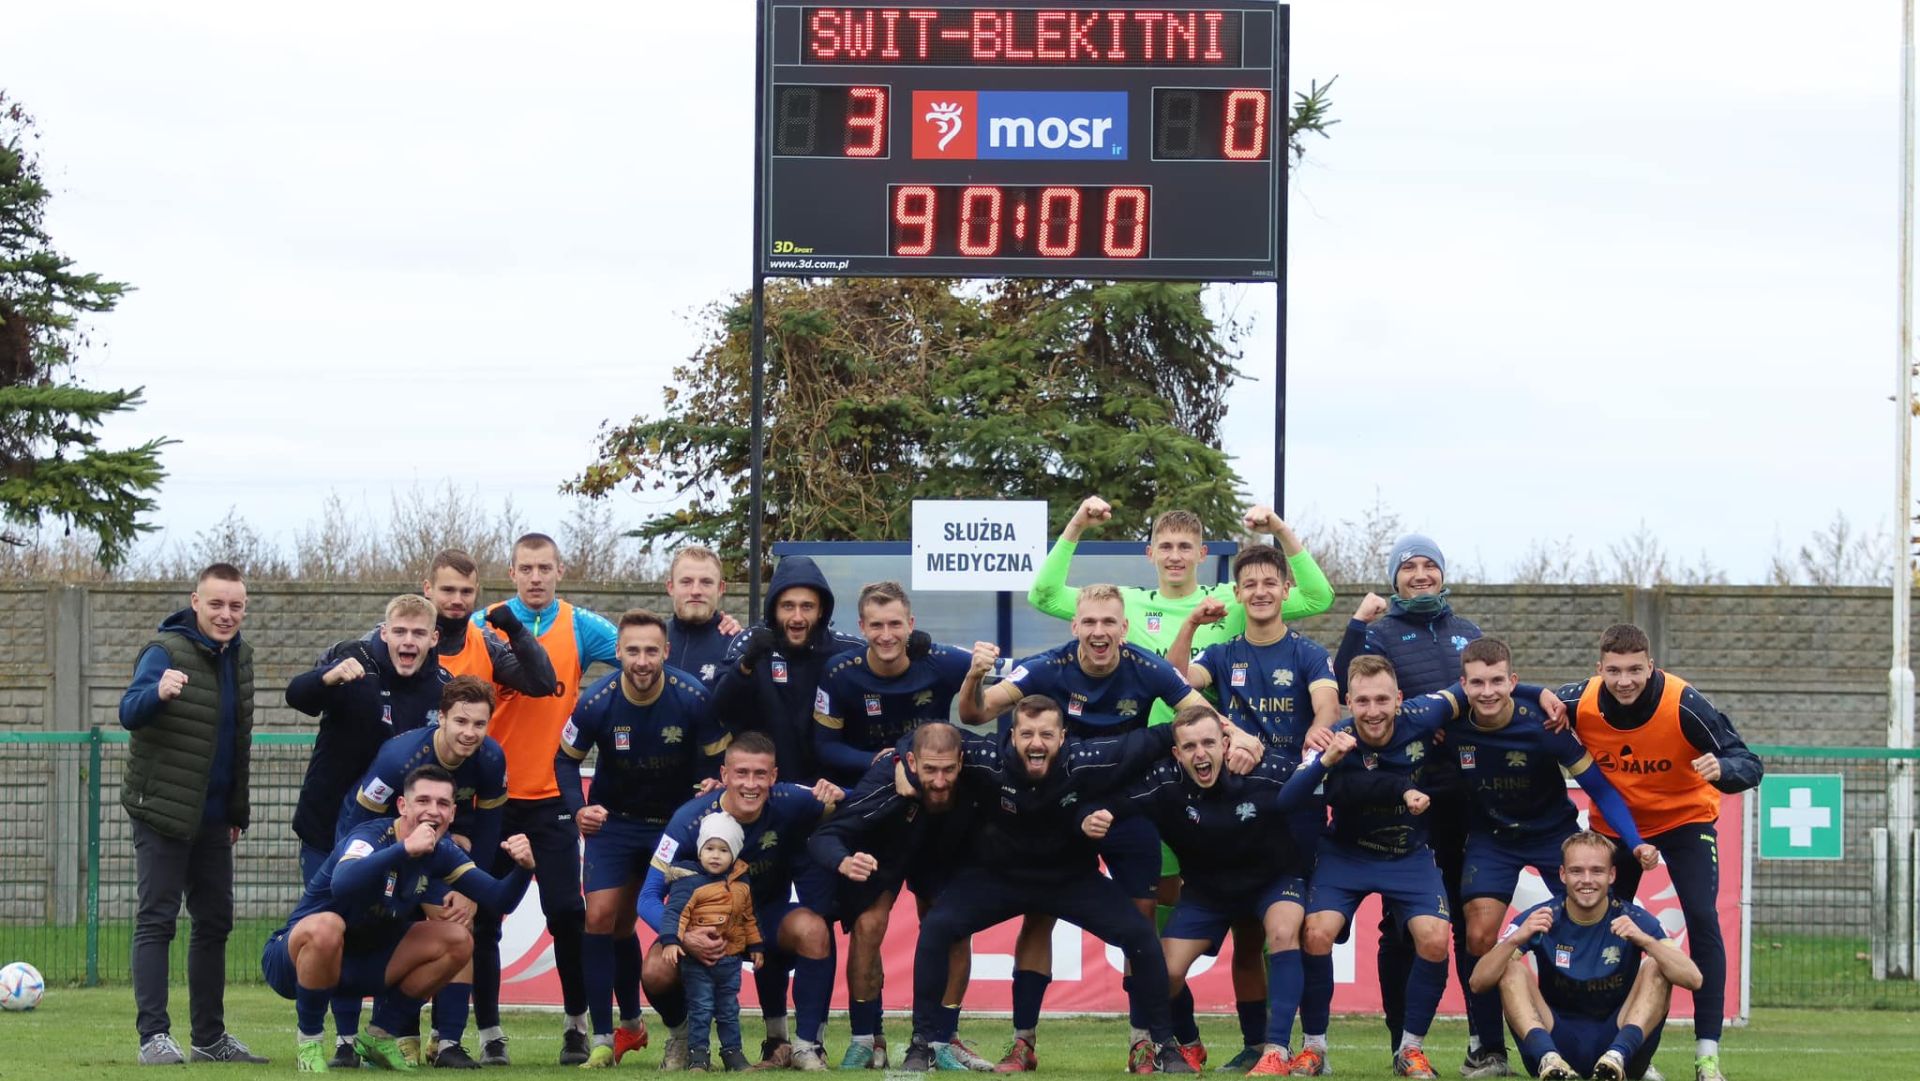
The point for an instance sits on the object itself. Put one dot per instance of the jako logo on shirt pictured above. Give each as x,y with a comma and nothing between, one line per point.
1031,124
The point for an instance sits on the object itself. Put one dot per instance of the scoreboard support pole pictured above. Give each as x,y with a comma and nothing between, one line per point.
1282,156
758,347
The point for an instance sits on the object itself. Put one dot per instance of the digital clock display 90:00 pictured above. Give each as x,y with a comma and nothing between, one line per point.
1057,222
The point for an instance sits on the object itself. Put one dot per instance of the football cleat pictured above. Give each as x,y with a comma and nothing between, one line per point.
1412,1062
628,1039
1273,1063
1311,1062
1020,1058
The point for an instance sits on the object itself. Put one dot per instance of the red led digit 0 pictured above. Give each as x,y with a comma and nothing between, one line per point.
1244,134
979,207
1126,231
1059,207
913,209
867,131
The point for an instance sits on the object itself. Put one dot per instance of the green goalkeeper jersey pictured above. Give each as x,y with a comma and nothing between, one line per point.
1154,619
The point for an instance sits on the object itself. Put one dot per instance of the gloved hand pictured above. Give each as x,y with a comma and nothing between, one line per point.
501,618
759,647
919,644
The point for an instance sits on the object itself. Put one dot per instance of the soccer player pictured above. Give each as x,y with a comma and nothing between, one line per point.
768,685
1376,841
1417,630
1032,790
1596,1009
502,652
1176,547
1671,754
1512,764
699,632
528,730
1108,685
354,932
773,669
901,825
778,818
1258,677
1237,858
870,699
458,743
365,691
189,712
653,726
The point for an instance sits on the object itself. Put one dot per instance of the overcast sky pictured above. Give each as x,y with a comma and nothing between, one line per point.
1561,269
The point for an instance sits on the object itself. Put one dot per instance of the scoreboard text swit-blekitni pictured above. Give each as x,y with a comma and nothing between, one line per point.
1024,140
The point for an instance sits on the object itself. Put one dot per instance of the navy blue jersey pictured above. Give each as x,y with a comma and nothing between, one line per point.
1108,705
775,847
1365,788
1232,839
1030,829
479,786
651,757
858,713
1585,969
883,817
698,648
405,884
1268,690
1514,774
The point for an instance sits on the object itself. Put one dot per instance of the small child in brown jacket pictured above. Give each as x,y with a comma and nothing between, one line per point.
710,890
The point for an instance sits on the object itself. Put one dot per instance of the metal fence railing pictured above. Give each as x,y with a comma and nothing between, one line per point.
1812,906
67,890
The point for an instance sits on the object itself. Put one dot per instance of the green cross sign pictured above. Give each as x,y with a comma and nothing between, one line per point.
1800,816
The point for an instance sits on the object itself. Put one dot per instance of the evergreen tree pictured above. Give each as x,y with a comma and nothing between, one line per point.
52,465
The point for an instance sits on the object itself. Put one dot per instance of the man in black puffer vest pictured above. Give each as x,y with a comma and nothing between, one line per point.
190,710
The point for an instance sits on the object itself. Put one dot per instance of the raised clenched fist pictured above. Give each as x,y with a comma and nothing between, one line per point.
345,672
1372,607
172,682
985,656
1093,511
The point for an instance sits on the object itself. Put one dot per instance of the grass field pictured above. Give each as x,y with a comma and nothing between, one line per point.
89,1033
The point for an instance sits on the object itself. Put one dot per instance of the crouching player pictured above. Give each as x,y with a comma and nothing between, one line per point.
1596,1009
1238,860
355,929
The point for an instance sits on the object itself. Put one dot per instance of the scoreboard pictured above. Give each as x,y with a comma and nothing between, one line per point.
1023,139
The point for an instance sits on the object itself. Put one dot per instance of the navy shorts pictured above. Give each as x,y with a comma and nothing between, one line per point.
1131,851
362,972
619,852
1582,1040
1410,885
1205,918
1492,868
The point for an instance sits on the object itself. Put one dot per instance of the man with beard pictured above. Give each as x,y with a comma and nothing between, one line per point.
651,727
900,825
1108,686
516,663
699,632
365,691
1595,1009
1671,754
1033,788
1238,860
776,819
354,932
1418,631
768,685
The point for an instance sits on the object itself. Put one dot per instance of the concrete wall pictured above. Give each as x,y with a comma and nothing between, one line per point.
1791,666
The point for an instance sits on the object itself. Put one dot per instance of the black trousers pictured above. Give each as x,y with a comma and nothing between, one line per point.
556,870
1692,856
201,871
1447,836
977,899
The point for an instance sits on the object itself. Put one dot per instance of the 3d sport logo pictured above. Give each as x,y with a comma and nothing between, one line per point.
1034,125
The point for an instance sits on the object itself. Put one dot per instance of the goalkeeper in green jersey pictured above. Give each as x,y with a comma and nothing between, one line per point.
1176,548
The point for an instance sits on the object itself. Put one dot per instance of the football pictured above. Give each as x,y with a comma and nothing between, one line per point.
20,986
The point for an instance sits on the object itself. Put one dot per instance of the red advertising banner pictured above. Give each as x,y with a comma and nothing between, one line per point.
1086,972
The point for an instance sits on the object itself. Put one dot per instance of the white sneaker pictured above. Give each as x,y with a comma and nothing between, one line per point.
160,1050
809,1056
